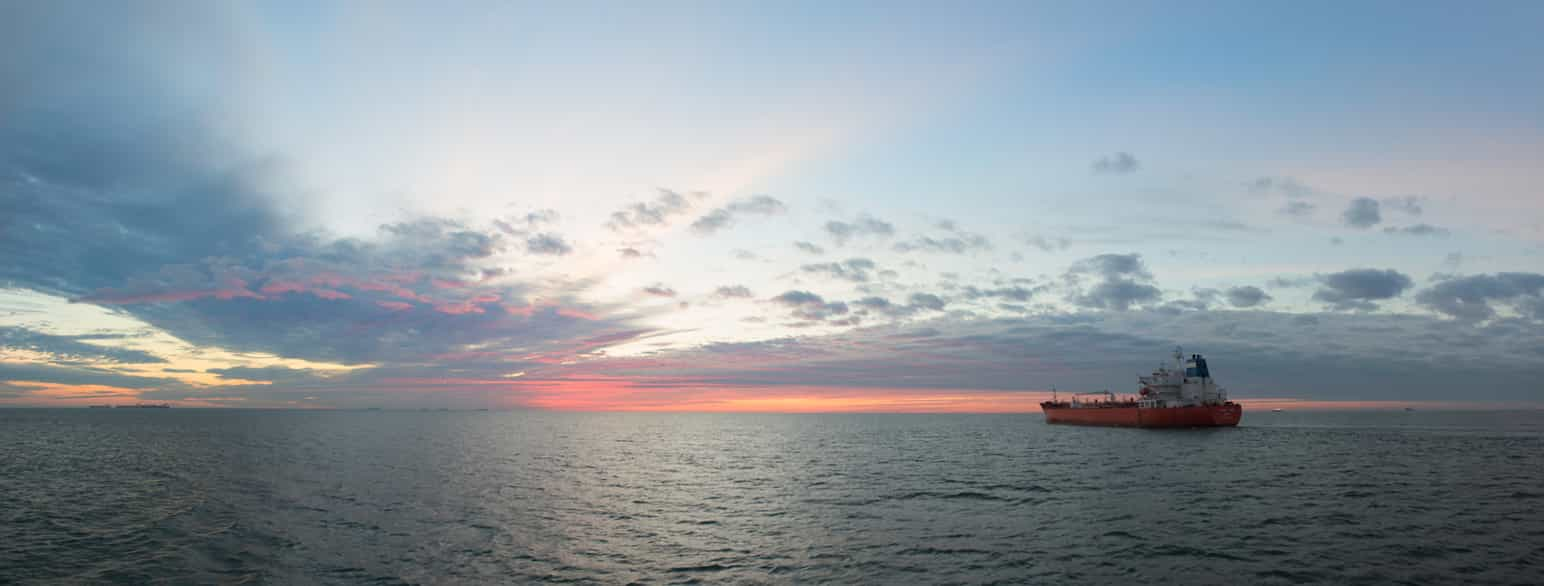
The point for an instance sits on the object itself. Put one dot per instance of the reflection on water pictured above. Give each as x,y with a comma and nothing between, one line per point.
1291,497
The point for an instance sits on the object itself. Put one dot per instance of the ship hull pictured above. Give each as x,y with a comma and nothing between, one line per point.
1226,415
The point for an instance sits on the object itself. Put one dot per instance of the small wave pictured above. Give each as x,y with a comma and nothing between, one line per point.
1120,534
944,551
962,495
695,569
1293,577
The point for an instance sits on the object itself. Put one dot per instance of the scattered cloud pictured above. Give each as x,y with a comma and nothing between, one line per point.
958,241
857,270
659,290
948,245
1122,281
915,303
1046,244
1358,289
1408,204
1362,213
1418,230
73,348
658,212
733,292
1253,351
724,217
523,226
549,244
1287,186
1009,293
926,301
1299,209
808,306
864,225
809,247
1290,282
1119,163
1246,296
1453,260
1476,297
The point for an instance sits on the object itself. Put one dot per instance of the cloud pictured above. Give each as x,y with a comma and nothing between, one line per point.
916,303
270,374
1353,356
1362,213
1408,204
1476,297
113,191
630,252
949,244
1453,260
1357,289
522,226
1010,293
1300,209
809,247
724,217
72,348
1118,163
636,215
856,270
733,292
659,290
1118,295
1123,282
958,242
1112,266
1290,282
864,225
549,244
1418,230
72,374
1288,186
1048,244
809,306
926,301
1246,296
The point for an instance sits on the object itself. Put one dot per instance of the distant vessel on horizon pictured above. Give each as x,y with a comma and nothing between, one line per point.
145,406
1184,396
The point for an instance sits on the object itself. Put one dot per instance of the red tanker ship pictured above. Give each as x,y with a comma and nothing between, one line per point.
1185,396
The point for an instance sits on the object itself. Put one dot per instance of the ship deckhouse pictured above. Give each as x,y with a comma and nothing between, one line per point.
1188,383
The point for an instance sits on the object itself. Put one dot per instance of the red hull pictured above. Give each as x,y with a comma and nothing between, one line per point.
1225,415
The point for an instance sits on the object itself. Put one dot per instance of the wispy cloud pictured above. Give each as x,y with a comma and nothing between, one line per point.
1119,163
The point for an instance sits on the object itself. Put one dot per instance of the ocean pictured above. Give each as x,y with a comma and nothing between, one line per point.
382,497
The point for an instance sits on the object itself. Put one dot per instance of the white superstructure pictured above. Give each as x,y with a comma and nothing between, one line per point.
1188,383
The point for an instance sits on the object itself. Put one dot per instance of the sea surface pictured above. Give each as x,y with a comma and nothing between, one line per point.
381,497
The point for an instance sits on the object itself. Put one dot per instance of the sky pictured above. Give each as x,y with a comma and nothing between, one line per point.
776,206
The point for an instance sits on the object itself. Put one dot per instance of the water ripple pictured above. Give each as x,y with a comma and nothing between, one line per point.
233,497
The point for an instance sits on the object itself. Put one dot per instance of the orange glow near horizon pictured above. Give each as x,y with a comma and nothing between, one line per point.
608,393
